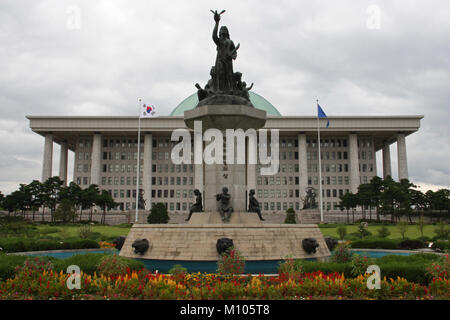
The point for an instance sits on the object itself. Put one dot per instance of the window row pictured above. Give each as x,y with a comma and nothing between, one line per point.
185,193
165,181
122,181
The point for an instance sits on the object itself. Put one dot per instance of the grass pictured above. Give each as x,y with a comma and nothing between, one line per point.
66,231
411,233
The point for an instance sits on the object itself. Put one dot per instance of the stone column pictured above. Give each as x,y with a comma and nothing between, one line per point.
63,162
147,170
401,156
387,161
302,167
96,157
198,162
251,165
48,157
354,162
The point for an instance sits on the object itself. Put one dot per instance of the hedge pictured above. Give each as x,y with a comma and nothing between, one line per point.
86,262
413,268
442,245
22,245
375,244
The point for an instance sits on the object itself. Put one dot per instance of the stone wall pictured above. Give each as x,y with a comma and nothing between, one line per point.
198,242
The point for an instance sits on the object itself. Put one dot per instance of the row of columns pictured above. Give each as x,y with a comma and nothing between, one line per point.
199,170
401,158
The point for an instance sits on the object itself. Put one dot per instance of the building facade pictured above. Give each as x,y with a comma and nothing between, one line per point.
106,150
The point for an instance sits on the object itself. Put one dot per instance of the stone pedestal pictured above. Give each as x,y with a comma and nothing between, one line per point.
197,242
308,216
214,218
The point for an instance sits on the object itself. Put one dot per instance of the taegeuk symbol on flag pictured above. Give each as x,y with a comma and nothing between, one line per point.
148,111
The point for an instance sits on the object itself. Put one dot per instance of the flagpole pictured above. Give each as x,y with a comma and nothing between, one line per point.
138,160
320,165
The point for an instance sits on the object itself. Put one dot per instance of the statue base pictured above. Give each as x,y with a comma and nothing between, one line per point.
197,242
215,218
226,116
224,99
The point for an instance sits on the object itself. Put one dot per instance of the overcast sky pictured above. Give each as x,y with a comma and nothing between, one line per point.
95,57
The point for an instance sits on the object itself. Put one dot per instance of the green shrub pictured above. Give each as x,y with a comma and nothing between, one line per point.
158,214
22,244
88,262
375,244
178,269
341,254
359,264
231,262
411,244
290,267
111,266
402,227
290,216
383,232
441,245
410,271
8,264
440,268
442,230
362,230
342,231
85,231
36,264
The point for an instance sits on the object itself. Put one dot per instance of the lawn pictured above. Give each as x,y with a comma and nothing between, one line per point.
411,233
66,231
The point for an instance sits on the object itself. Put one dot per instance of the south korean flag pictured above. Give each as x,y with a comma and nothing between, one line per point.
148,111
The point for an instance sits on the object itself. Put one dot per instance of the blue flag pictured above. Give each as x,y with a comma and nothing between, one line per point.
321,114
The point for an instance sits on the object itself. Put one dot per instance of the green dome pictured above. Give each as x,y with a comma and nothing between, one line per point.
258,101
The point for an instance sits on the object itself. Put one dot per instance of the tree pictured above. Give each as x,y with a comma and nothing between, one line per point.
72,193
105,202
402,227
2,199
364,197
376,184
158,214
89,197
66,211
9,204
290,216
35,200
50,193
345,204
388,197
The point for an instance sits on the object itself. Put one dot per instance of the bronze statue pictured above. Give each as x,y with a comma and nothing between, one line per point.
141,200
197,206
225,86
310,200
225,208
253,204
226,53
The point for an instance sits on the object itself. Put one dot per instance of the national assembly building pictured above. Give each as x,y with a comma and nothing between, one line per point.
106,150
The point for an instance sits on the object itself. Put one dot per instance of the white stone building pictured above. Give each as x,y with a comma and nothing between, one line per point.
105,153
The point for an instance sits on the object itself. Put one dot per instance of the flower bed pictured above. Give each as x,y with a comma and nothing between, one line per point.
44,284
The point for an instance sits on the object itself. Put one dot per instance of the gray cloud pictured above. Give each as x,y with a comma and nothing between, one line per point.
293,52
